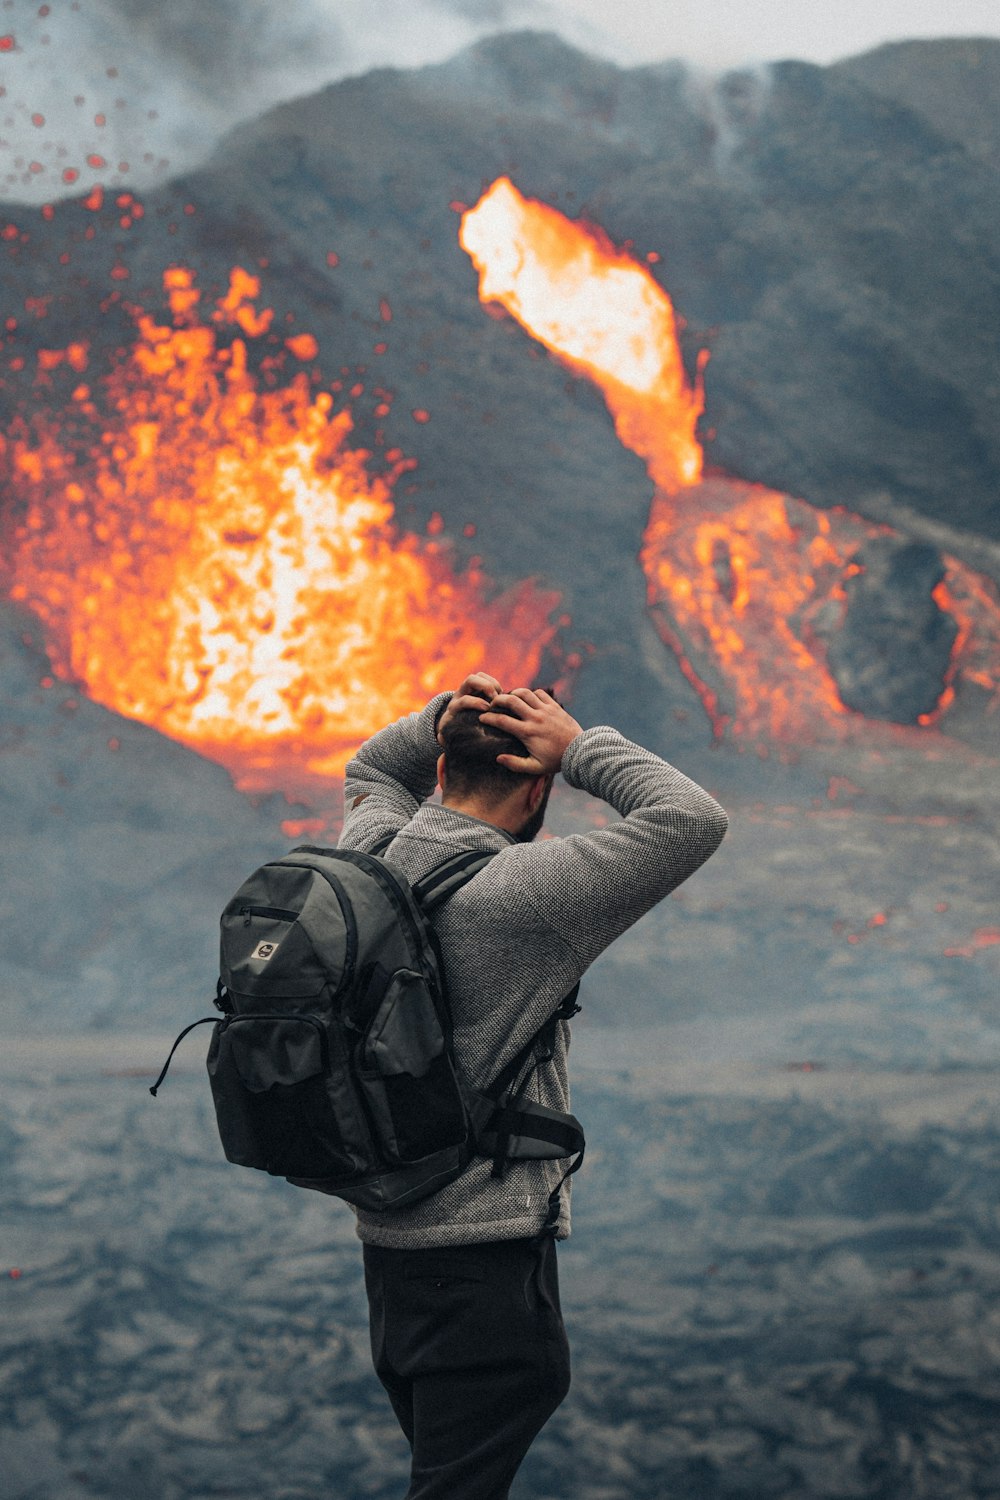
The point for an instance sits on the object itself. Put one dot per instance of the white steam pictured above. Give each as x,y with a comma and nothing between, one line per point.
131,92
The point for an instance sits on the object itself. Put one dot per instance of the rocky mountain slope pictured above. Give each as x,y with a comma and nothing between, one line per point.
834,248
954,84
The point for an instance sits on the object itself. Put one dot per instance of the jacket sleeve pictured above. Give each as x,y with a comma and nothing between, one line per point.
390,776
589,888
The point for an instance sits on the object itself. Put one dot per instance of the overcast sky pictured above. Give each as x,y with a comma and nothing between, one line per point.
129,91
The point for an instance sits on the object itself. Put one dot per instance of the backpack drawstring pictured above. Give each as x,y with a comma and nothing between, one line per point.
163,1072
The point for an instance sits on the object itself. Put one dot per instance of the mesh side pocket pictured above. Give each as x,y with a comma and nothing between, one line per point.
404,1035
301,1131
410,1087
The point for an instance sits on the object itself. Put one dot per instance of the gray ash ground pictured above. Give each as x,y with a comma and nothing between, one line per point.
784,1274
781,1282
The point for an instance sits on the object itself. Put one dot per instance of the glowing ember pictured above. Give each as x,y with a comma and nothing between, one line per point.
213,559
601,312
983,937
740,578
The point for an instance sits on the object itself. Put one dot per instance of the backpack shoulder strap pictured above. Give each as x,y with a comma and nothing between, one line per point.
539,1047
434,888
509,1115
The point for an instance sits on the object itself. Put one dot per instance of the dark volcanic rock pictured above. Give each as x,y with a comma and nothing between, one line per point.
119,847
745,1322
952,81
891,652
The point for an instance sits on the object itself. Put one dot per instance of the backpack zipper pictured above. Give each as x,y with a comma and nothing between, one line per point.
276,913
376,868
346,911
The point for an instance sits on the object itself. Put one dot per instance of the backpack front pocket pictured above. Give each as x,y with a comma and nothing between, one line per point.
276,1106
267,954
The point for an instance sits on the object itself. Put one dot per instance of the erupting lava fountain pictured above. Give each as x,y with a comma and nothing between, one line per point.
209,556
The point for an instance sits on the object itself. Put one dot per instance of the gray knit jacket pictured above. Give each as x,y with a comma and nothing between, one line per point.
518,936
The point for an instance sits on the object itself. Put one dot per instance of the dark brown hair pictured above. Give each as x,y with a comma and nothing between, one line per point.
470,754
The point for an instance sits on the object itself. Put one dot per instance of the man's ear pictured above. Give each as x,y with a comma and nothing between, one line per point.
536,791
440,770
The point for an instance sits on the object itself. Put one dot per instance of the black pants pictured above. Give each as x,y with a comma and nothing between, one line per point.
470,1345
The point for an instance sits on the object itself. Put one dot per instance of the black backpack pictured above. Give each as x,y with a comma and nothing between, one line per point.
332,1063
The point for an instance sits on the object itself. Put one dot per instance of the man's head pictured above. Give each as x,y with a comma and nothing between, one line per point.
471,776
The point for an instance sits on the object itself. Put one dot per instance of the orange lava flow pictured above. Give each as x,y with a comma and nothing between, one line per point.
740,575
743,582
971,599
212,557
602,313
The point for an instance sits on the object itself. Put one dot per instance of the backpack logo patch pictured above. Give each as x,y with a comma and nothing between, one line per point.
264,950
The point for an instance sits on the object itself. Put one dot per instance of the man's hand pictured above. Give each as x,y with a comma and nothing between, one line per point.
477,691
537,720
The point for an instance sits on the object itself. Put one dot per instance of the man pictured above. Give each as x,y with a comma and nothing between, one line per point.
467,1333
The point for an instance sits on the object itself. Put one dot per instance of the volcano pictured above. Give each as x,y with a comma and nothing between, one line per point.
209,555
274,473
834,377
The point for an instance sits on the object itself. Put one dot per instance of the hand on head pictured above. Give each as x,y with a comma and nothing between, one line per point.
477,691
542,725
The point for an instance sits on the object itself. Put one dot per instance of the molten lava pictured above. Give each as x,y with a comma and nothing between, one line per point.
736,577
742,581
600,312
212,558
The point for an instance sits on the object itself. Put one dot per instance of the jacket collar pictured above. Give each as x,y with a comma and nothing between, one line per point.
441,824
